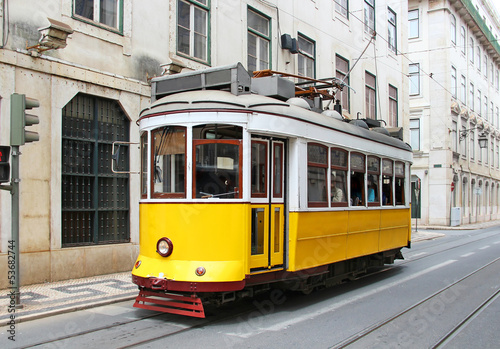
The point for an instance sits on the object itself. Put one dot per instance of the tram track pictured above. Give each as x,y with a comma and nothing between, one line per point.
439,344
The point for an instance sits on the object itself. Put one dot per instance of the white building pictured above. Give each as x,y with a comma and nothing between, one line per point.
454,99
79,219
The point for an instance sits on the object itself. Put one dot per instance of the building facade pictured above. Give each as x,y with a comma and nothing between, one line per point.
77,217
454,110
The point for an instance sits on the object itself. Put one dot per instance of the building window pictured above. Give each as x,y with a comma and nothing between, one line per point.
370,16
453,135
392,34
342,6
306,57
478,105
393,106
341,70
415,134
107,12
462,39
463,90
485,108
463,142
472,143
471,50
370,96
94,200
485,61
453,29
413,25
259,41
414,79
492,75
471,97
192,29
478,58
497,80
454,82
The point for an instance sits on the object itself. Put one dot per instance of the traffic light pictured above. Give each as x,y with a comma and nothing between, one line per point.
19,119
4,164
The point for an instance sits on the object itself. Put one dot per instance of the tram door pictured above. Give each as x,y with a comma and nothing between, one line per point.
267,204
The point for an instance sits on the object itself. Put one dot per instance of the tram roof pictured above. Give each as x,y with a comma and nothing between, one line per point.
218,100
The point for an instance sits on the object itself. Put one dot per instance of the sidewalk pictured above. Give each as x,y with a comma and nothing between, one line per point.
48,299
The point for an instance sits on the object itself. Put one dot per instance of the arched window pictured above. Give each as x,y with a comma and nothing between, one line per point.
95,201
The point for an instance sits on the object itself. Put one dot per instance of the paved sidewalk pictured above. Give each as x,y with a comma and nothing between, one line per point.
48,299
53,298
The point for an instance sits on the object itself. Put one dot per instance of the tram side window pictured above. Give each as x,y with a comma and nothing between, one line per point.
387,176
144,163
169,148
400,183
259,169
317,164
338,177
373,180
357,179
217,162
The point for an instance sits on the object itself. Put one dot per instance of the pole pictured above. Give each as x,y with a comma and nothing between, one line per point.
15,179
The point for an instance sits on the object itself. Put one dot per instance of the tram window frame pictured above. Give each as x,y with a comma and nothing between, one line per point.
259,170
181,159
399,183
373,177
144,164
387,182
318,169
339,169
357,176
219,134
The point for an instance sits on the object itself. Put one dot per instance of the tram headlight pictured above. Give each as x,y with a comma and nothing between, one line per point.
164,247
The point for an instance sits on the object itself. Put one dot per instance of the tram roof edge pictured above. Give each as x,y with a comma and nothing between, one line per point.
223,100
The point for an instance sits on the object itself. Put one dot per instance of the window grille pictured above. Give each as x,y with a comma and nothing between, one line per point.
95,201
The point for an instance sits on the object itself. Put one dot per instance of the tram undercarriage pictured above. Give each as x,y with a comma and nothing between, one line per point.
154,293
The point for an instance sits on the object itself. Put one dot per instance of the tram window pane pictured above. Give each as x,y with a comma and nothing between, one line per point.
217,131
338,177
144,163
338,187
357,164
357,188
400,183
278,171
169,146
216,170
316,185
373,179
317,162
387,179
259,169
258,227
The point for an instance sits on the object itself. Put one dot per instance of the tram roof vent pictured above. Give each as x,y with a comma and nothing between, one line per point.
233,78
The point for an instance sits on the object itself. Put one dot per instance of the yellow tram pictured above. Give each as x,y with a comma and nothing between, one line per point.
245,185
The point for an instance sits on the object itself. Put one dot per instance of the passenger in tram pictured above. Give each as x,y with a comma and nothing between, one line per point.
337,193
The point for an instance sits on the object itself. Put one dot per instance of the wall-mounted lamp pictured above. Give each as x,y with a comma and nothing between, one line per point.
482,139
53,37
174,67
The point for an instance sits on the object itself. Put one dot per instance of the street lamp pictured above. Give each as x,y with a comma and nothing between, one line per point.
483,137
